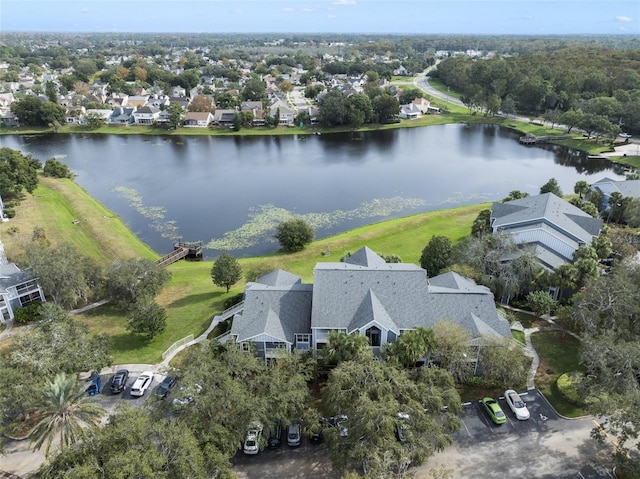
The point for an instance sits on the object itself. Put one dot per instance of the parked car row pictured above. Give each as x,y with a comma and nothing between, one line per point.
138,388
515,403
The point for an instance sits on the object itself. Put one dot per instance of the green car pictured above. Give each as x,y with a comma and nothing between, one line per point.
494,410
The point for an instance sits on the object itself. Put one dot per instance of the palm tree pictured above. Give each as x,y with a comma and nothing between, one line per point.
415,345
66,412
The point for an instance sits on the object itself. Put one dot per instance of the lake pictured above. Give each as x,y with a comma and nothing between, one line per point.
231,192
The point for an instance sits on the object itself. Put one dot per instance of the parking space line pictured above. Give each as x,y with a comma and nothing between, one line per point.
465,426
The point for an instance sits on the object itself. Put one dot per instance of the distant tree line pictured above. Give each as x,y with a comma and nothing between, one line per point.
595,85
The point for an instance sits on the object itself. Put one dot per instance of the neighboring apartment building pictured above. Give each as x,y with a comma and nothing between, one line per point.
17,288
362,295
552,226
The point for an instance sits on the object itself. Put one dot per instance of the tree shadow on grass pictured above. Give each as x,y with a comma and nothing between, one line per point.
127,342
212,297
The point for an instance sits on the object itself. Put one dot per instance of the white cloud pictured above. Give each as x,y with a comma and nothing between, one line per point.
288,9
85,10
344,2
623,18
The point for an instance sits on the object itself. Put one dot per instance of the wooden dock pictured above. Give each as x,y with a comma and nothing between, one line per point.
181,251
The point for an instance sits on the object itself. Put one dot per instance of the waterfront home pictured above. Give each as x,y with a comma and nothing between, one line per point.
363,295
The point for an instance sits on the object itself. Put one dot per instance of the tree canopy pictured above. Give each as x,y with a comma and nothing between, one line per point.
436,255
294,234
373,399
17,172
127,281
226,271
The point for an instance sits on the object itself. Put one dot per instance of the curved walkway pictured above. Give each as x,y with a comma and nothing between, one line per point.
529,350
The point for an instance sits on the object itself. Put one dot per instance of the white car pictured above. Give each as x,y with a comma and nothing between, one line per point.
141,383
516,404
252,441
625,135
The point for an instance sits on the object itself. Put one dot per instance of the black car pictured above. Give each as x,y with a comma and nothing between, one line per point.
166,385
274,435
119,381
317,432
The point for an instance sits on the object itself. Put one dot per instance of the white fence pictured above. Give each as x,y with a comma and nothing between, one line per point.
176,345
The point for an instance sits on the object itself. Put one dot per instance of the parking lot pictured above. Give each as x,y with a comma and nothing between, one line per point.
544,446
111,401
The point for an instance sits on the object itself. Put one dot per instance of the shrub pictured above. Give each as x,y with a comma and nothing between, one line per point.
10,212
27,314
567,385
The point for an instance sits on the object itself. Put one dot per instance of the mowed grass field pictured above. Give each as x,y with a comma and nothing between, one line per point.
54,206
191,299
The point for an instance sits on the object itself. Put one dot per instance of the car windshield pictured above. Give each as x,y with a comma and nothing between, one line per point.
499,414
518,404
251,443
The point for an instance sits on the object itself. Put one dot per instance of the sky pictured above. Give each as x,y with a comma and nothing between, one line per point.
491,17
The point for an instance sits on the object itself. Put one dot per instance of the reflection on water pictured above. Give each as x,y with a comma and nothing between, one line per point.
230,192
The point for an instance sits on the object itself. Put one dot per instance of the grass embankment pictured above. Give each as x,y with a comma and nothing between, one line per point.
55,205
558,353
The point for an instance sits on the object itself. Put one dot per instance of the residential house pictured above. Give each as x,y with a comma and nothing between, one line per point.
117,100
362,295
287,115
198,119
410,112
182,101
178,91
158,101
9,118
122,116
17,288
75,115
147,115
424,106
224,117
6,99
607,186
104,113
552,226
138,100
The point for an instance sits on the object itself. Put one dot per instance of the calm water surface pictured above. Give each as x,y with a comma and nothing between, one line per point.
230,192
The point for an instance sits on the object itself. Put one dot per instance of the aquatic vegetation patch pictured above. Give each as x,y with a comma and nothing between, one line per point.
262,220
166,228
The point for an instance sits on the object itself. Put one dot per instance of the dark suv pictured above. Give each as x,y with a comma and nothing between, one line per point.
119,381
274,435
166,385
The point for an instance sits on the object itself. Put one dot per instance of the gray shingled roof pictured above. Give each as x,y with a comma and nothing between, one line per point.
629,188
365,257
563,215
279,312
353,294
340,288
10,276
279,277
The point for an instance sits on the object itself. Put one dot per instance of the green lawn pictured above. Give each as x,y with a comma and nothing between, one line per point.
191,299
518,336
558,353
54,206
